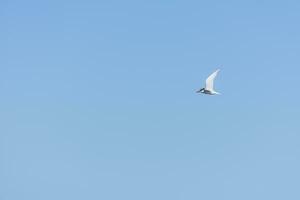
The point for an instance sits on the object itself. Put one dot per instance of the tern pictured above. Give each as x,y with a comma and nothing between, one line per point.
209,85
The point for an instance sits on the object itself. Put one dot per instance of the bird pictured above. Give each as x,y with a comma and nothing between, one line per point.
209,85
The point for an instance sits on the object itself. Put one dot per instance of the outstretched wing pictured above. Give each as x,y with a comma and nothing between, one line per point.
210,81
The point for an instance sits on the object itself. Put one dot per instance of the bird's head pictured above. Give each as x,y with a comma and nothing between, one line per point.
201,90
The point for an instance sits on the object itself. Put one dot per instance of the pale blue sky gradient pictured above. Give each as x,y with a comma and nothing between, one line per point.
98,100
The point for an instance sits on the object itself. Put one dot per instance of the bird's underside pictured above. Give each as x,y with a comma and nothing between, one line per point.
208,92
204,91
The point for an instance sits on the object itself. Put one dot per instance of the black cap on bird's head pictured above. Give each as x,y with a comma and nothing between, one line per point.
201,90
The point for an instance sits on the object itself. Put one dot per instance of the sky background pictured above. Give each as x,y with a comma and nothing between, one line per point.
97,100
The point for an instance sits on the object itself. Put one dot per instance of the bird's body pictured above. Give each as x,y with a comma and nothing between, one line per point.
209,85
209,92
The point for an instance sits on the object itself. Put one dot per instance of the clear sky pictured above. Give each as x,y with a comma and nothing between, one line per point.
97,100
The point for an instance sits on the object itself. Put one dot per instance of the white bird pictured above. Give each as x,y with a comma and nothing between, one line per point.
209,85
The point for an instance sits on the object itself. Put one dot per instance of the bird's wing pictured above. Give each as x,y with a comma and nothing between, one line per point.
210,81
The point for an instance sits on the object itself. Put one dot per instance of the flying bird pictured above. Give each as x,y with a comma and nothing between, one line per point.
209,85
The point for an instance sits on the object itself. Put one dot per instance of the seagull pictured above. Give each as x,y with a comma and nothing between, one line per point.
209,85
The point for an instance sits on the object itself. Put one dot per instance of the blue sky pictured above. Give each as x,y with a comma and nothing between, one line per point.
98,100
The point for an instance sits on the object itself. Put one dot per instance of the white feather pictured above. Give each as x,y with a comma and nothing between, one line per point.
209,84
